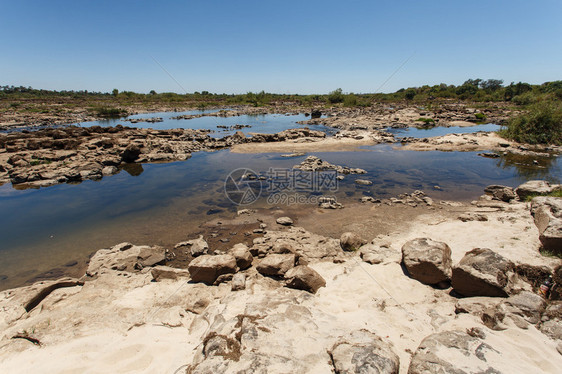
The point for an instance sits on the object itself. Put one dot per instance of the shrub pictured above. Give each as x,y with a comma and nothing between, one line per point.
350,100
480,116
524,99
335,96
427,121
106,112
542,124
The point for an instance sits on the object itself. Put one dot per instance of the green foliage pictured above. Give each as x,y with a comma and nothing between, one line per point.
350,100
480,116
409,94
335,96
427,121
555,193
542,124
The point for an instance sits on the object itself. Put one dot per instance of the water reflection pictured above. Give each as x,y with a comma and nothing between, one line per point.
531,167
134,170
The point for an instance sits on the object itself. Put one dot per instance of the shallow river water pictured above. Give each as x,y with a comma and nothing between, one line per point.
59,226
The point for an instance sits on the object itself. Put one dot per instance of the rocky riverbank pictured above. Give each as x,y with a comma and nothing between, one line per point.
72,154
455,287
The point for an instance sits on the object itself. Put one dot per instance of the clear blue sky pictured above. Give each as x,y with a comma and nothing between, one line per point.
280,46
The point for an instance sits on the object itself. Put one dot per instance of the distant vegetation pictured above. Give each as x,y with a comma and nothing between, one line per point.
539,123
475,90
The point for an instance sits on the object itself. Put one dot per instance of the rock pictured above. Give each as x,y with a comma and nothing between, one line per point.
350,241
427,261
305,245
207,268
313,163
329,203
502,193
284,221
482,272
131,153
559,348
125,257
197,246
552,329
109,170
276,264
242,255
224,278
454,352
473,217
547,212
534,187
526,304
238,282
304,278
160,273
363,182
362,351
476,306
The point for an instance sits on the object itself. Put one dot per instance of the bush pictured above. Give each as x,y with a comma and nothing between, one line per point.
524,99
541,125
350,100
480,116
336,96
106,112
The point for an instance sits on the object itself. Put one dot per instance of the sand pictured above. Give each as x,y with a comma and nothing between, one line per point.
124,322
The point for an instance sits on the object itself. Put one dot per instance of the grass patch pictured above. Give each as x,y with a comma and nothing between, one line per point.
556,193
542,124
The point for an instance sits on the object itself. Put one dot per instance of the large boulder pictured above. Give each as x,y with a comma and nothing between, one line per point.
208,268
547,212
350,241
455,352
276,264
427,261
362,351
305,278
482,272
533,188
242,255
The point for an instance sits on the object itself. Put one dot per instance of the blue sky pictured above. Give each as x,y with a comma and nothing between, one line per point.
277,46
